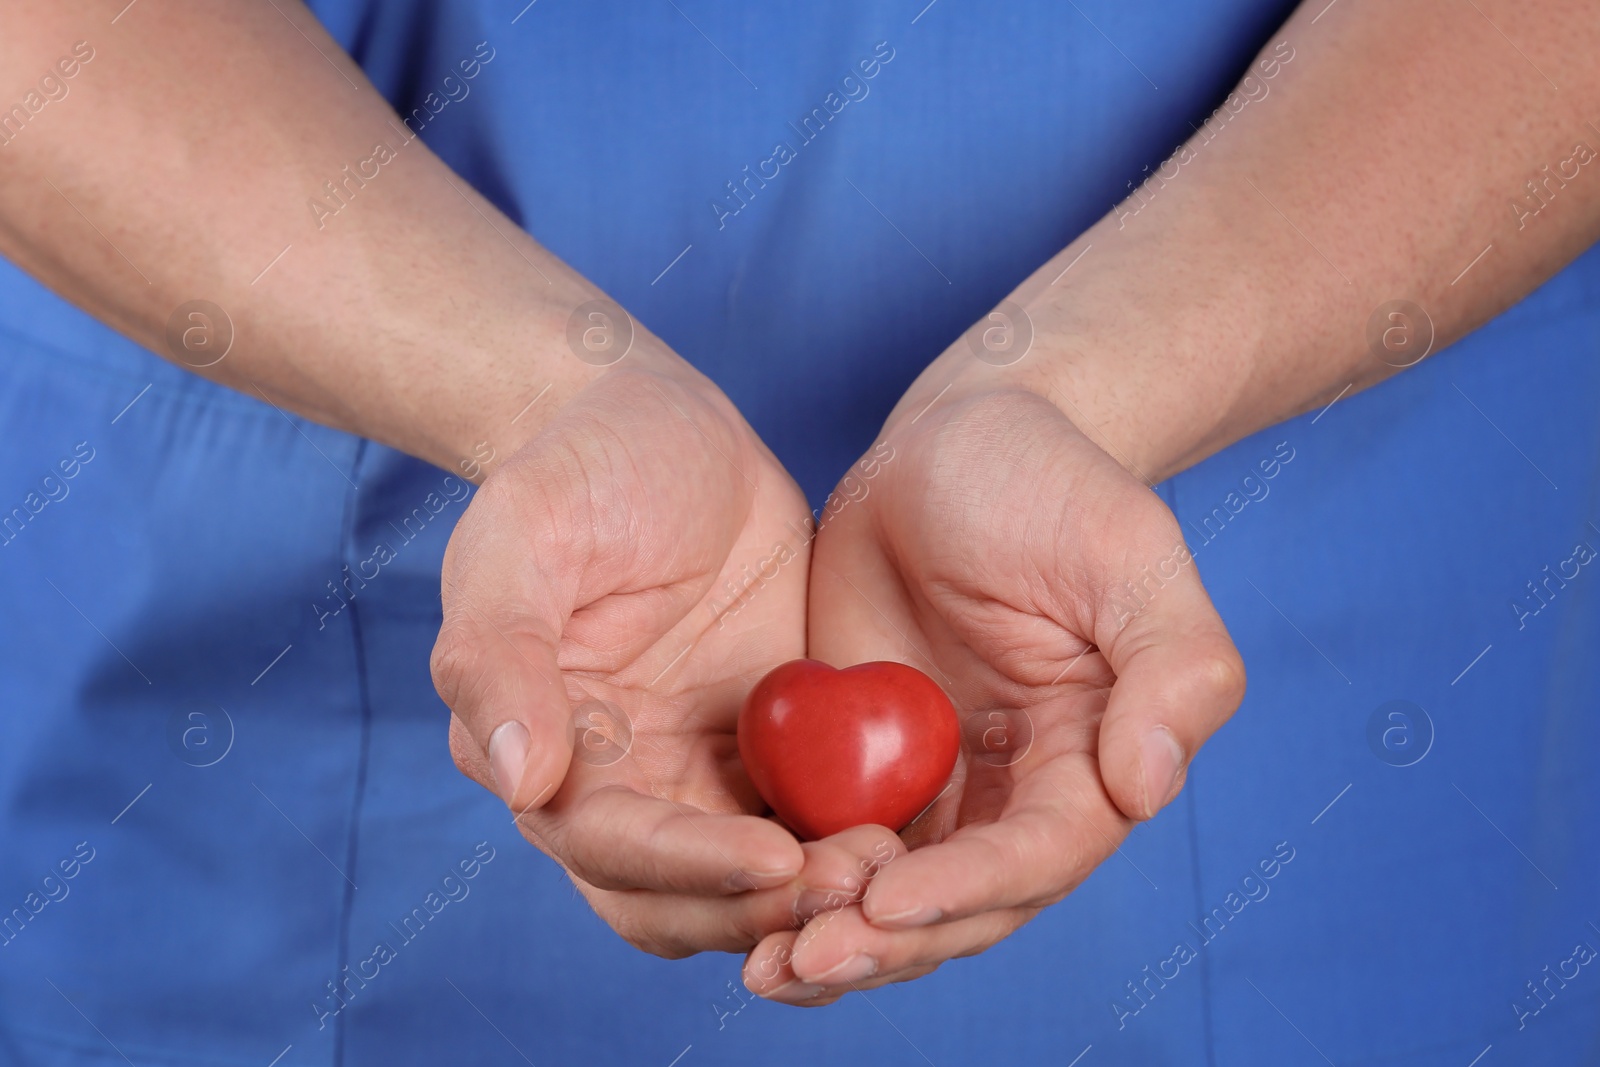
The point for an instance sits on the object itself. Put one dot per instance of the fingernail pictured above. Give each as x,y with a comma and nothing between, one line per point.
857,968
1161,756
905,920
508,755
794,991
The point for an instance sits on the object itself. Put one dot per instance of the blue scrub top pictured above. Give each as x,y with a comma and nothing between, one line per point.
225,789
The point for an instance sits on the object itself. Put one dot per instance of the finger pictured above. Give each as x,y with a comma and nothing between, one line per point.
504,687
674,926
859,610
842,950
1057,826
1179,678
617,838
470,760
866,615
838,869
766,968
908,974
767,973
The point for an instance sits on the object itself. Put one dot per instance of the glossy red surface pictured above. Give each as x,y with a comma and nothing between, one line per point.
831,749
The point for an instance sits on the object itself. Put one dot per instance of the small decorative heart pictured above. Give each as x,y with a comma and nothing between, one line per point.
831,749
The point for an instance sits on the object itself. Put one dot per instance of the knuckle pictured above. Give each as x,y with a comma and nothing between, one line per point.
595,845
453,663
595,876
662,837
660,849
1221,675
582,863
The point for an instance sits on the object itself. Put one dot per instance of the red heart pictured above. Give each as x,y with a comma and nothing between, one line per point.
830,749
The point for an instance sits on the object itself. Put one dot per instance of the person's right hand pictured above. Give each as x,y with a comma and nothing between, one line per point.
611,594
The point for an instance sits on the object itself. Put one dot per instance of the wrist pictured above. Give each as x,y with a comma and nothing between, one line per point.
467,399
1157,347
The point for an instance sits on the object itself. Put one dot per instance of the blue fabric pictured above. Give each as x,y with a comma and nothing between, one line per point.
220,757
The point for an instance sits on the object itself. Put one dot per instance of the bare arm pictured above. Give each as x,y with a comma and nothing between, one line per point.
1372,155
1378,156
233,153
184,155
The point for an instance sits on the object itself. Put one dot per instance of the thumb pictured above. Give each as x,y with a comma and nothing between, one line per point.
1179,678
505,690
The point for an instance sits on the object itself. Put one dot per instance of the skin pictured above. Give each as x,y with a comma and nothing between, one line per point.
1395,140
618,501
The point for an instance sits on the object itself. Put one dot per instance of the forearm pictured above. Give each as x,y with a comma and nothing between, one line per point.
223,153
1235,290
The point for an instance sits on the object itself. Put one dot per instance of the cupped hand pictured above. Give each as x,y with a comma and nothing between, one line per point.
1050,593
612,592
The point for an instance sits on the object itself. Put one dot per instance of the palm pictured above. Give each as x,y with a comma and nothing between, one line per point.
605,568
993,554
678,632
960,566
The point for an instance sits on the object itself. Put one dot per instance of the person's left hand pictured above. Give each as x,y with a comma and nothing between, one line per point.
995,552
